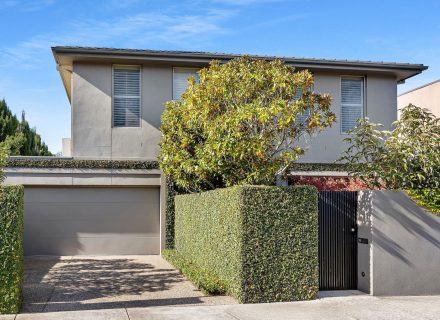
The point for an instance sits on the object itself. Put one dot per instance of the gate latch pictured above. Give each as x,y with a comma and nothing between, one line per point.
363,240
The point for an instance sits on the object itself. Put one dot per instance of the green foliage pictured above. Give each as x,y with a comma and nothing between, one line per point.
23,139
3,160
81,164
406,158
240,124
203,279
302,166
261,241
11,248
172,192
428,198
170,215
12,144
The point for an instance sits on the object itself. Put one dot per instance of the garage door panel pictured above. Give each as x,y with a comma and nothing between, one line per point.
77,228
118,245
93,221
104,217
90,194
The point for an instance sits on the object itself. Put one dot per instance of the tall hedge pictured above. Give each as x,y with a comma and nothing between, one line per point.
11,248
261,241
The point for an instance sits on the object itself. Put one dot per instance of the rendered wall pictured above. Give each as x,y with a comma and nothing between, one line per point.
94,137
404,252
426,97
380,106
92,133
364,232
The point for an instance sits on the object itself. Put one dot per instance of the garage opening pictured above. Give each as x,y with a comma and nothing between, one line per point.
92,221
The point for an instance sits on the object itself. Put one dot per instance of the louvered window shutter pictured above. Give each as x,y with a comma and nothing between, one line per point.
352,102
126,96
180,80
302,118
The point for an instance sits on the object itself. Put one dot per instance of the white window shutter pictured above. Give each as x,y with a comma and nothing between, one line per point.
302,118
352,102
180,80
126,96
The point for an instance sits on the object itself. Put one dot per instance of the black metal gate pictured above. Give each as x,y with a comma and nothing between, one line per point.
337,240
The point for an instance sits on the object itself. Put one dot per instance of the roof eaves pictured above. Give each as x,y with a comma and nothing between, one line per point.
225,56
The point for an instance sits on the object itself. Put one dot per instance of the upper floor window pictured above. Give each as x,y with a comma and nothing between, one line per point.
352,102
126,96
301,119
180,80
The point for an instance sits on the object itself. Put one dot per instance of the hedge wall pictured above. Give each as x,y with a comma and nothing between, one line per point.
11,248
81,164
299,166
261,241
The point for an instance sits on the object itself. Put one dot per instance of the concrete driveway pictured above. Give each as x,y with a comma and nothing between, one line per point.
93,283
359,307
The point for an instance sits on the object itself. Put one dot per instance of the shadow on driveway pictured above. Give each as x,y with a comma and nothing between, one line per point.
91,283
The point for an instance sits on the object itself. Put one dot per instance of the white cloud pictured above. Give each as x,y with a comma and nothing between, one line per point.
119,4
244,2
8,3
141,31
30,5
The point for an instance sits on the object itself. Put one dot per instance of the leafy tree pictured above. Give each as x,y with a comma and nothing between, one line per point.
13,144
408,157
22,139
3,159
240,124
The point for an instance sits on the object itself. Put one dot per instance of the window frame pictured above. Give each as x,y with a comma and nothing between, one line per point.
174,71
302,119
121,66
363,98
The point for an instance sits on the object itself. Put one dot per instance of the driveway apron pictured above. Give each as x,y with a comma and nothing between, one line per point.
98,282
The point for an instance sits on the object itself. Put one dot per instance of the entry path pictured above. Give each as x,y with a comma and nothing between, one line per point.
359,307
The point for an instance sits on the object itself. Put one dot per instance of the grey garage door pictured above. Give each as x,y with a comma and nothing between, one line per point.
91,221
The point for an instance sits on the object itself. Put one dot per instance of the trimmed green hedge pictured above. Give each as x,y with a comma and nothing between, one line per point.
172,192
81,164
261,241
169,215
209,282
298,166
11,248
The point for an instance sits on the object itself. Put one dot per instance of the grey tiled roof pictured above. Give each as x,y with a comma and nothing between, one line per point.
220,56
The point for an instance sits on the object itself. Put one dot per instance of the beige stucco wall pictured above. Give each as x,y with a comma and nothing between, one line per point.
402,256
380,106
92,132
426,97
94,137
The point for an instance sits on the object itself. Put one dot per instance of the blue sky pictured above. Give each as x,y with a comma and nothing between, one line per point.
402,31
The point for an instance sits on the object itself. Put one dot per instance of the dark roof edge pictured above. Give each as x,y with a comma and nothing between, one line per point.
419,87
224,56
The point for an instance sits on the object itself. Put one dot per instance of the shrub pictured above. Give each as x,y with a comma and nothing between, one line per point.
172,192
208,282
11,248
261,241
241,124
329,183
304,166
408,157
428,198
80,164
